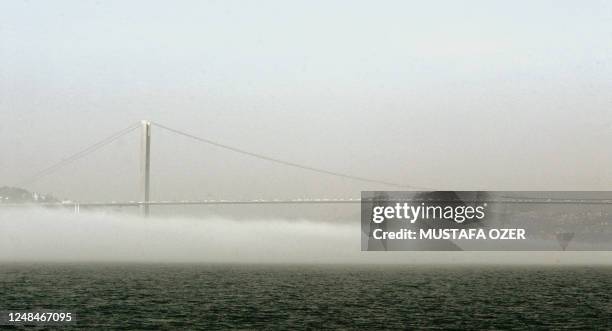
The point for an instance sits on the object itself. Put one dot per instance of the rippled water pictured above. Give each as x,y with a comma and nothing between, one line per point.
242,296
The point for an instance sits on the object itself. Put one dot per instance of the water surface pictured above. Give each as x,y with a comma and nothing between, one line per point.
279,296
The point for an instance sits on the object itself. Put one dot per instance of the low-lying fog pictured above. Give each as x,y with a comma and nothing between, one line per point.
40,235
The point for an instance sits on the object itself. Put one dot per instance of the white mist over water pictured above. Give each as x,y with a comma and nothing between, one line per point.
40,235
37,234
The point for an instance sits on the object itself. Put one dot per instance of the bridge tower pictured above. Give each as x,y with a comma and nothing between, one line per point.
145,165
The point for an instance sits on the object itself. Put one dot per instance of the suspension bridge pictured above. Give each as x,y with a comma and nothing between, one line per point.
145,202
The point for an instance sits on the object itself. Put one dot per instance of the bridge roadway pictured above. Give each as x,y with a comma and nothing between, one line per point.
300,201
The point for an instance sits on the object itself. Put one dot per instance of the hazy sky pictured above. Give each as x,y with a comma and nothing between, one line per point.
444,94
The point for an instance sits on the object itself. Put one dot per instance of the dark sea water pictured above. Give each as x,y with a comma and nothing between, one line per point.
314,297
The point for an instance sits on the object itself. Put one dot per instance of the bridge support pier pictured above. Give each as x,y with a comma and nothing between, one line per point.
145,166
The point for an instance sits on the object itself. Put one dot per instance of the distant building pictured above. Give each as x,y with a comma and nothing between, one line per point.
19,195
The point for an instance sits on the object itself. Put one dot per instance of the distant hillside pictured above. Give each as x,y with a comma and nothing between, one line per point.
19,195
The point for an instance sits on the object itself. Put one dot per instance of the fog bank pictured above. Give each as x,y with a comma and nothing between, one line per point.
39,235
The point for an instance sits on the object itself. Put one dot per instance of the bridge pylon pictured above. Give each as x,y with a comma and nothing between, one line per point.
145,166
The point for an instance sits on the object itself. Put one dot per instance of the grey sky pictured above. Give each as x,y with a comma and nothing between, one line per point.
471,95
